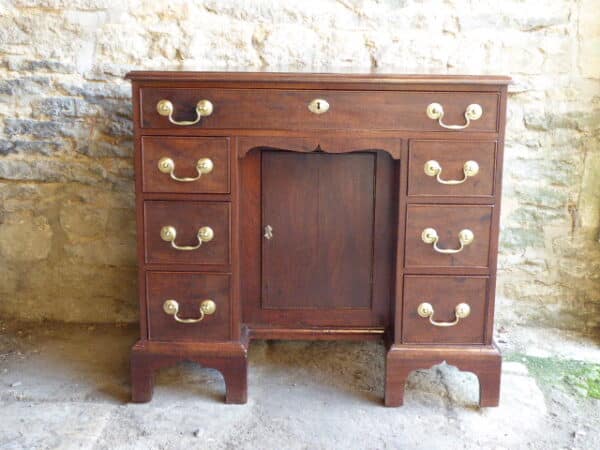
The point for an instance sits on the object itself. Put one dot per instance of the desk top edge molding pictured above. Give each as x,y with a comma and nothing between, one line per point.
318,78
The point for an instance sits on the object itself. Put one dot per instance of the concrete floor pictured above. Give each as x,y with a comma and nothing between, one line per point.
67,387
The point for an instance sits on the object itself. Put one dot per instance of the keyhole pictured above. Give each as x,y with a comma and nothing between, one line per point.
318,106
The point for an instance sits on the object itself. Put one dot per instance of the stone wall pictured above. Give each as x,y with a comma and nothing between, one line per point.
67,234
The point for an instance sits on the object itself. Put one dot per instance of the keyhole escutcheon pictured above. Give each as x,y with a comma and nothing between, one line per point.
318,106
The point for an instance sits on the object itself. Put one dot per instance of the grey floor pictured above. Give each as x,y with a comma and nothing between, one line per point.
67,387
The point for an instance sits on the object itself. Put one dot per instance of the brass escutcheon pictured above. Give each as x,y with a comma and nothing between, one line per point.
318,106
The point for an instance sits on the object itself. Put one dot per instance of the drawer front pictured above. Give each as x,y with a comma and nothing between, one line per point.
289,109
447,221
451,168
190,221
187,165
189,290
444,294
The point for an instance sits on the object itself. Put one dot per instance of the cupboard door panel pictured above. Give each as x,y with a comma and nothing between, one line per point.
320,209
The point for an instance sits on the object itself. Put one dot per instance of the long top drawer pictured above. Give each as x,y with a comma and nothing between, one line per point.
296,109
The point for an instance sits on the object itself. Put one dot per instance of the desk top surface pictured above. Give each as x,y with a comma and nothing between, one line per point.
342,76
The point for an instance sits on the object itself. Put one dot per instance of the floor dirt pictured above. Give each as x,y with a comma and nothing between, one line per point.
67,387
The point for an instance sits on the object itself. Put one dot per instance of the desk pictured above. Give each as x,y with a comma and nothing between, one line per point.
317,206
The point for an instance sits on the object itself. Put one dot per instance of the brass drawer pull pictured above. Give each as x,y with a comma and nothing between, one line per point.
461,311
430,236
204,166
203,108
318,106
169,233
171,307
435,111
434,169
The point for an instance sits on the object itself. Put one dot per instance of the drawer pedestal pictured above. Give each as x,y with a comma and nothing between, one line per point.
484,361
228,358
317,206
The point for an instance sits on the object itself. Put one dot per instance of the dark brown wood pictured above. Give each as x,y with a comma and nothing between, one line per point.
237,329
228,358
444,293
376,313
495,234
353,199
322,143
320,208
308,135
139,208
185,152
317,333
448,221
187,218
377,78
288,109
189,289
483,361
452,157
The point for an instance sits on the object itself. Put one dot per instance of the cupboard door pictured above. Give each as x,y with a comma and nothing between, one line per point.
318,250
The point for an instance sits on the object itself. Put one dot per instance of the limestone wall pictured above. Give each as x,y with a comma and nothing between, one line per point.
67,234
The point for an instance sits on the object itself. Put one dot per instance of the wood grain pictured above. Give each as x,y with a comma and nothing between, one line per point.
379,118
189,289
321,210
185,152
452,157
187,218
444,293
375,79
229,358
483,361
373,314
448,221
288,109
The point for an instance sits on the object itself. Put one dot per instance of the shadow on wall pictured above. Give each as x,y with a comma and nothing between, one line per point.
67,223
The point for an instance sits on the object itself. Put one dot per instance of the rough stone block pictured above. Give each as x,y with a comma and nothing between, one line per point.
24,86
24,237
35,128
28,147
54,107
521,238
20,64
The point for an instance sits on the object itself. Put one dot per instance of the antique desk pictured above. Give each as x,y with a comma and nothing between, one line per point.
317,206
